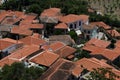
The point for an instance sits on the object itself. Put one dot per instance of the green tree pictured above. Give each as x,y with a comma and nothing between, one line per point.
73,35
82,54
102,74
18,71
67,6
34,8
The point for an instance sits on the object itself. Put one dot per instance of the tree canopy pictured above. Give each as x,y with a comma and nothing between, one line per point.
18,71
37,6
102,74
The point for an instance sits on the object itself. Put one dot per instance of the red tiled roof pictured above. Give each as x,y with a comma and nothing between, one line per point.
7,61
20,31
11,40
6,42
11,17
88,26
65,51
110,54
99,47
113,33
92,48
116,49
23,52
101,24
61,26
88,64
117,43
84,17
2,15
61,69
19,14
29,17
32,40
31,26
98,43
45,58
70,18
51,12
51,15
71,56
25,22
36,35
10,20
57,45
117,46
10,14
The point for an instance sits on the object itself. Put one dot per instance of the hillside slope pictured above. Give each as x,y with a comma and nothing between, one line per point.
111,7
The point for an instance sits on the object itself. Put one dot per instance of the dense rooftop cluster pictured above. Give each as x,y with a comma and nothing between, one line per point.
31,39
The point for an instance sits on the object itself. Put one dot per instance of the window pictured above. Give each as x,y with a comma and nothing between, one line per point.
80,23
75,24
85,31
88,32
71,26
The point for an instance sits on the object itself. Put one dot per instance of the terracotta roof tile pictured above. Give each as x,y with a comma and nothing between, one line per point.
92,48
20,31
71,56
98,43
61,69
70,18
65,51
19,55
6,42
16,14
110,54
84,17
10,20
11,40
7,61
57,45
61,26
51,12
32,40
23,52
113,33
29,16
32,26
25,22
89,26
117,43
88,64
2,15
101,24
36,35
51,15
116,49
19,14
45,58
98,47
